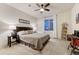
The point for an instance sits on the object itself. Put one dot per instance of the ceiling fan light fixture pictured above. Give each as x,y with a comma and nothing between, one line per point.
41,9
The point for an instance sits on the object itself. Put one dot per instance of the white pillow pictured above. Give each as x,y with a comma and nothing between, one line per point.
30,31
26,32
21,33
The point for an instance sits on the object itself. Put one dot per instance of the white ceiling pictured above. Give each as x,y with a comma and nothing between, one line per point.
54,8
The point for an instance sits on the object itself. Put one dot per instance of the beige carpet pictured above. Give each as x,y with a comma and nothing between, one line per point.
54,47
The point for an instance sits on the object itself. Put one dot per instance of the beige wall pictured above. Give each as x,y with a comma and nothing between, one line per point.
40,26
60,18
3,27
70,18
64,17
75,11
11,15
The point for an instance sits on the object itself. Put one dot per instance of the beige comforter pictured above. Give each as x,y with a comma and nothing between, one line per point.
37,39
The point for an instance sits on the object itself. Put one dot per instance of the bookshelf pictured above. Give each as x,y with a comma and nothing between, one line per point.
64,31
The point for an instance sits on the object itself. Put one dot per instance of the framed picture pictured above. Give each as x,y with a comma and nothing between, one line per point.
24,21
77,18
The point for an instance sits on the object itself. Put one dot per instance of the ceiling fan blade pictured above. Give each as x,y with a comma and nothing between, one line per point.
47,9
36,9
47,5
42,5
38,5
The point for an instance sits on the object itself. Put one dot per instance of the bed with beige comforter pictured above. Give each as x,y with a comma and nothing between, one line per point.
36,39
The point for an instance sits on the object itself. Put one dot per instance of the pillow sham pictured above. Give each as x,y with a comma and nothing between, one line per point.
30,31
21,33
25,32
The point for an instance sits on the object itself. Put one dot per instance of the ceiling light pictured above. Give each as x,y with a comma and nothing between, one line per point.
42,9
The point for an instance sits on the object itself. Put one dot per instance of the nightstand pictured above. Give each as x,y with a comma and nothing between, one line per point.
13,39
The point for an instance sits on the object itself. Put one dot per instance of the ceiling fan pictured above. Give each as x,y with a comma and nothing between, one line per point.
43,7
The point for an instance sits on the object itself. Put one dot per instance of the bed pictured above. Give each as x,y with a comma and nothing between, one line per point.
37,41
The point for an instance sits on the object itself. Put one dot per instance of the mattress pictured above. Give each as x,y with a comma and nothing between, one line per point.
37,39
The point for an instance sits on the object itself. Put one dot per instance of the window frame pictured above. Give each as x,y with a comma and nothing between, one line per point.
48,24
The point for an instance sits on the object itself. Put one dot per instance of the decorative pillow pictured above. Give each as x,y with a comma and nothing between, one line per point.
26,32
30,31
21,33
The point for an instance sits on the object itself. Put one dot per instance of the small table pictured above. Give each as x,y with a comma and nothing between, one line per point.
17,40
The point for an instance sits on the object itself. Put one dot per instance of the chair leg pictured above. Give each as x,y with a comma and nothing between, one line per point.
69,46
72,51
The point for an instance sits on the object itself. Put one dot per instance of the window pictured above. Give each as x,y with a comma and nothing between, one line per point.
48,25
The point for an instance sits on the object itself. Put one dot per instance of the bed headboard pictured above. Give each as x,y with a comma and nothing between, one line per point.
23,28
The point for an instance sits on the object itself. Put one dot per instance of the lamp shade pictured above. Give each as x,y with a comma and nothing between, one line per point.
12,27
34,27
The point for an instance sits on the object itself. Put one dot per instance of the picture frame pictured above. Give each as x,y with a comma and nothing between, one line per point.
77,18
24,21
